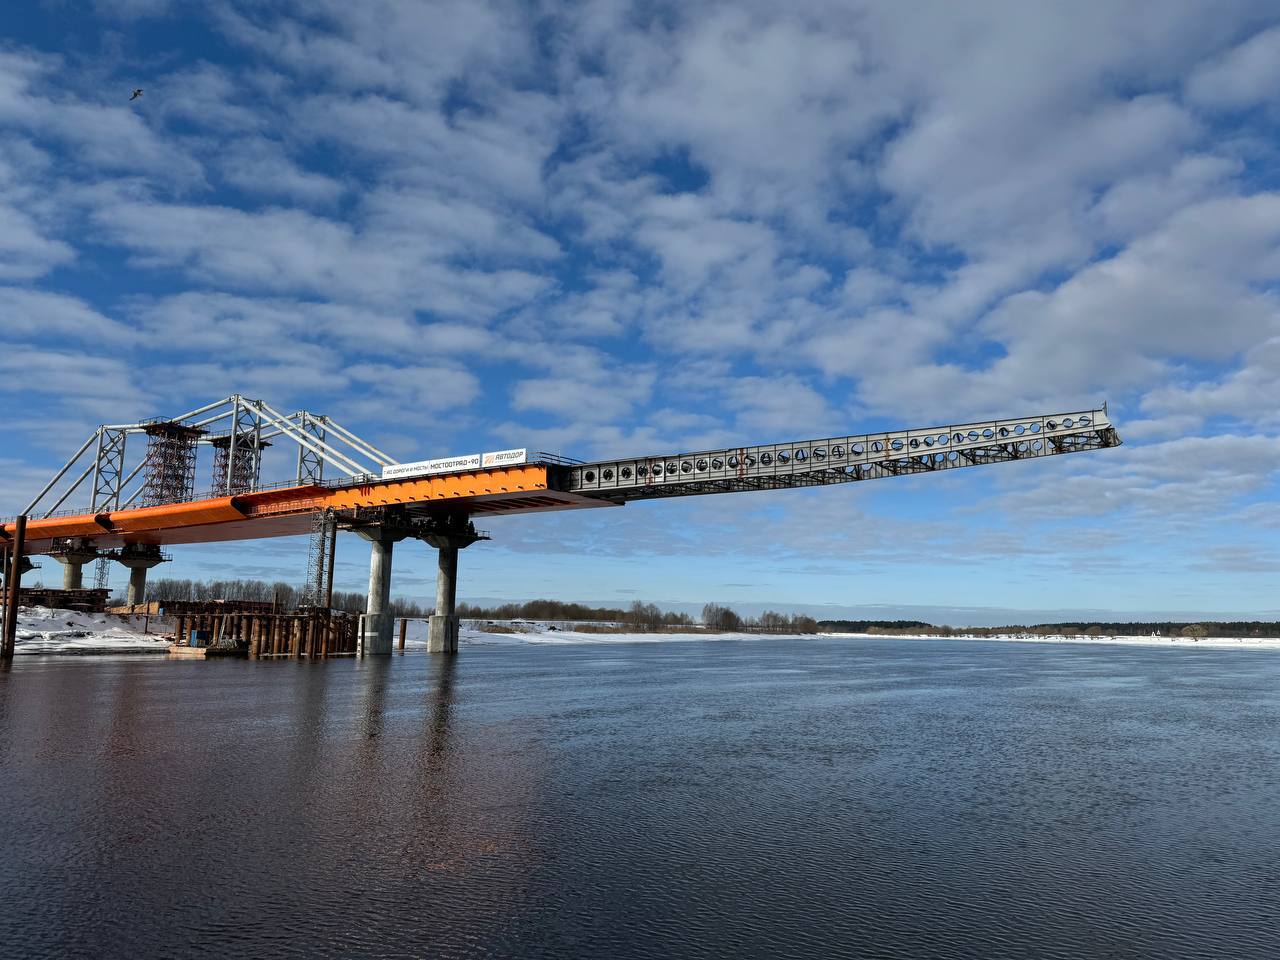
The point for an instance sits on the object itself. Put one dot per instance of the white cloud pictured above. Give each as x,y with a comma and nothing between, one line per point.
25,252
39,315
1247,75
285,250
261,167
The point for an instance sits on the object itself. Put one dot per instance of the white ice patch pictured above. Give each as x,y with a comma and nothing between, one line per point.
43,630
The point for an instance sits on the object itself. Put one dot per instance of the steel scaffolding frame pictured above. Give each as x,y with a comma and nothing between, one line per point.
101,573
250,426
169,471
324,528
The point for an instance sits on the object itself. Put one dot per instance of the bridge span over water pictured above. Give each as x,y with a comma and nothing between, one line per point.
135,498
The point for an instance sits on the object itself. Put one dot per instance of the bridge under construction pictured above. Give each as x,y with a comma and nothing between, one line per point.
134,490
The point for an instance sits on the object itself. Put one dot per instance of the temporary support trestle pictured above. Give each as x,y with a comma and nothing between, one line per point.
318,589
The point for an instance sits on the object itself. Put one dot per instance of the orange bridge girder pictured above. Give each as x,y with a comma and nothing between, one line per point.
289,511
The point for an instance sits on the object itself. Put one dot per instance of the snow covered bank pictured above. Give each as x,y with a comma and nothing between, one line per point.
42,630
547,633
1221,643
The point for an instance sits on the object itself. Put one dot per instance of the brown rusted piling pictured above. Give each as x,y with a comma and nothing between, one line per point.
309,633
9,636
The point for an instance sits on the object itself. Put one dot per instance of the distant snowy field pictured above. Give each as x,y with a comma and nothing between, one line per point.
1224,643
553,633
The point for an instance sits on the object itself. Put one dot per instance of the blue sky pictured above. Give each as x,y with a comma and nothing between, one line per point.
605,228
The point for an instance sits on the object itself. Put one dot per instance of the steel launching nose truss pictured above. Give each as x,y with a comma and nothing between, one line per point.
807,463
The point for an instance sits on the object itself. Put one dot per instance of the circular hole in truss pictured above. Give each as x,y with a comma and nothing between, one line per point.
1022,447
973,434
943,439
1019,430
701,464
783,456
1085,421
717,463
957,438
686,467
939,457
589,476
733,462
914,443
819,453
642,470
801,455
766,459
928,441
837,451
671,467
876,446
657,469
1067,422
748,461
857,449
1037,444
896,444
1051,425
988,433
953,456
606,474
625,473
1004,431
1034,428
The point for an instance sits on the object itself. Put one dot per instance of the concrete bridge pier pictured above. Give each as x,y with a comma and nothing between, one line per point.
376,623
73,555
442,629
139,558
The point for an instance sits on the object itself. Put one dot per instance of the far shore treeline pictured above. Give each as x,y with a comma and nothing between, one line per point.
638,617
648,617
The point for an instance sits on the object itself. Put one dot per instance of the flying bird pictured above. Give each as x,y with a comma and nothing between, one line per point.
136,94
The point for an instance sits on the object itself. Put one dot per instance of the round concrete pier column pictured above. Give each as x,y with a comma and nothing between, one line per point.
72,575
442,629
376,624
137,586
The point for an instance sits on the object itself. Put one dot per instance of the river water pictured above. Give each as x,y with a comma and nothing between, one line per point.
775,798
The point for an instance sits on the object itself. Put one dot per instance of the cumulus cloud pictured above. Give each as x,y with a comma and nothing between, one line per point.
1245,76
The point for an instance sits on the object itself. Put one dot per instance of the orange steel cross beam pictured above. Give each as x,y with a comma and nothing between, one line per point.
289,511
